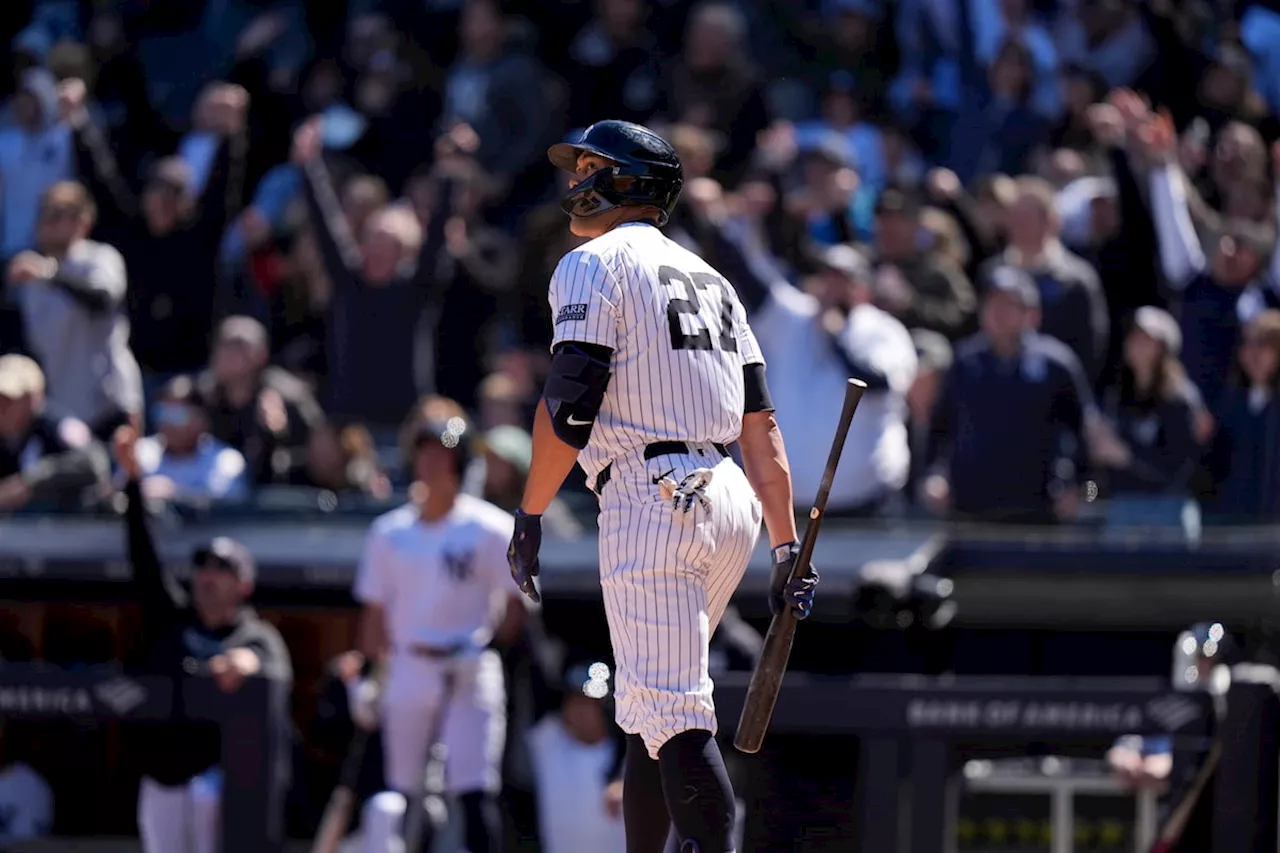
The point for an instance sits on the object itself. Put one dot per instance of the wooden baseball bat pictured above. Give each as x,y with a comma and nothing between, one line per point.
340,809
766,678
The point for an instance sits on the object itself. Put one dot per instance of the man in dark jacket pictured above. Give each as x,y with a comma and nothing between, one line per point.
211,631
1072,304
1011,416
42,459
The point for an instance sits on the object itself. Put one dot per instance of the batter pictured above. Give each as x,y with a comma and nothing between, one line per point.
434,587
654,372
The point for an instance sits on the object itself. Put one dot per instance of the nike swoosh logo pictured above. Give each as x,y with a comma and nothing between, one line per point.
658,477
572,421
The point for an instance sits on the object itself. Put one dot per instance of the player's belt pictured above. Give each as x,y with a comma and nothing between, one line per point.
653,451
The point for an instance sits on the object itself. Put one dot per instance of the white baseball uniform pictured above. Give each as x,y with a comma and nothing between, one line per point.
444,587
680,339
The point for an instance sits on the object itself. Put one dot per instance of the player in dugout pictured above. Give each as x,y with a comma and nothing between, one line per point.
210,630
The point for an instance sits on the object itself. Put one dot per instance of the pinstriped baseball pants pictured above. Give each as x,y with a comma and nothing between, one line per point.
666,580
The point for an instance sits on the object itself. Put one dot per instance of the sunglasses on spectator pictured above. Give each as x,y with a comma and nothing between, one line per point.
172,415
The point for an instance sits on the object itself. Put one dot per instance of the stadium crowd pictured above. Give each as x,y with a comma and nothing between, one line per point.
1043,233
259,230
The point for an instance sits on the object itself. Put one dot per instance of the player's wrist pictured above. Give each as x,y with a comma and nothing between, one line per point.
785,552
521,513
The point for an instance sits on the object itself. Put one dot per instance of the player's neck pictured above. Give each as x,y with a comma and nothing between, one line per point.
437,504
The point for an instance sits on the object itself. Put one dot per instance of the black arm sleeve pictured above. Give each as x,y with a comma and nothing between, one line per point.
756,398
159,594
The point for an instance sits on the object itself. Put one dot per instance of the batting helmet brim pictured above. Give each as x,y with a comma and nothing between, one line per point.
564,155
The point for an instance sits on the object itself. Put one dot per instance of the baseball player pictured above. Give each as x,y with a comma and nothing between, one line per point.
653,372
434,587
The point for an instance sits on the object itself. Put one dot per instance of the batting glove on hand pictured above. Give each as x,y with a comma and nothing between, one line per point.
786,592
522,554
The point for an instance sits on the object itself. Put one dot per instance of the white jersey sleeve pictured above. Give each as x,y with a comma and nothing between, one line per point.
372,585
748,348
586,301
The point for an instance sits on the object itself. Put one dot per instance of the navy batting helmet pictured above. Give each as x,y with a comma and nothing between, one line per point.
647,170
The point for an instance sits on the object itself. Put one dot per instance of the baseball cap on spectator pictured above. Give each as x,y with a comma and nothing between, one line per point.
896,199
933,350
1160,326
510,444
222,552
1015,282
846,260
243,330
20,376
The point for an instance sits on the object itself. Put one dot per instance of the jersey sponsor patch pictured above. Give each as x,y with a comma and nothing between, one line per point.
577,312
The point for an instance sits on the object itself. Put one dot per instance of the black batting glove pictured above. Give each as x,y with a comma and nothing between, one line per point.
787,593
522,554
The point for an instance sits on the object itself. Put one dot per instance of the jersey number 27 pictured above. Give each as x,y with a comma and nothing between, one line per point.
700,338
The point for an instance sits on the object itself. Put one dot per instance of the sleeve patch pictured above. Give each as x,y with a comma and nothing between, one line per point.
577,312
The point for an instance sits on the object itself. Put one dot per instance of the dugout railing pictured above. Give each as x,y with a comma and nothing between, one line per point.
253,721
914,729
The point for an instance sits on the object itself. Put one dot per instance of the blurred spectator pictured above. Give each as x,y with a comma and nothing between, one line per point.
1149,447
844,115
1082,89
381,340
71,292
498,90
183,462
1011,416
917,287
575,752
1109,38
1072,306
361,463
1217,293
262,411
36,152
714,84
469,268
120,90
830,200
1111,224
813,342
613,65
508,452
544,240
1243,458
999,128
169,234
26,801
43,459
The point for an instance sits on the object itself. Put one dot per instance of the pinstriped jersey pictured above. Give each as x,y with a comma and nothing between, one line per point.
679,337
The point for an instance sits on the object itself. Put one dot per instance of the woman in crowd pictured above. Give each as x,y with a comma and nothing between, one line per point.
1150,450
